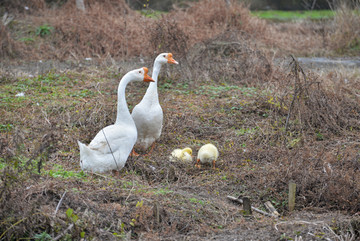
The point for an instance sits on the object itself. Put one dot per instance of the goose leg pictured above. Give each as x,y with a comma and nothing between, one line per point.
198,163
133,153
152,148
214,165
115,173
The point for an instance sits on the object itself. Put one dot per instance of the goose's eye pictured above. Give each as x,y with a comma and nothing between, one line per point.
164,56
140,72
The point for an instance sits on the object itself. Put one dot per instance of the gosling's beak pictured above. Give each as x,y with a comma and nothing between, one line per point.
171,60
147,78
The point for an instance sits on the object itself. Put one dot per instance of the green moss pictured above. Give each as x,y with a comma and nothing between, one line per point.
294,15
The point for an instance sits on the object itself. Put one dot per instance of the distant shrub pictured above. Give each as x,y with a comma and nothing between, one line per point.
345,33
8,47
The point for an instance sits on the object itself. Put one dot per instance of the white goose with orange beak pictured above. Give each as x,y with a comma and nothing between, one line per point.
112,145
148,114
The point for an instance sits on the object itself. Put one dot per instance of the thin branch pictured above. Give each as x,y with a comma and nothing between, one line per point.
58,206
22,220
297,222
297,86
64,232
130,192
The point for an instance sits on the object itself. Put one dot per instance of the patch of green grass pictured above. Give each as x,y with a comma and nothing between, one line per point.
319,135
162,191
6,127
245,131
82,93
294,15
215,91
44,236
149,13
194,200
27,40
59,172
47,89
157,191
44,30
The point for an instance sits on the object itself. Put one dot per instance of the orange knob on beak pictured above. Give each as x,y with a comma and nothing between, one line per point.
171,60
147,78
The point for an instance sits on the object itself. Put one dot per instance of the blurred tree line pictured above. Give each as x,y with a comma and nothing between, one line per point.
166,5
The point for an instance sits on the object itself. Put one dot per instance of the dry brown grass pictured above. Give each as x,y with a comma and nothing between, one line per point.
346,29
110,28
257,163
207,19
8,47
300,38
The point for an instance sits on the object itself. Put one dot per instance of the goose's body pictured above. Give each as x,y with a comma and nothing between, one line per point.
184,155
112,145
148,114
207,154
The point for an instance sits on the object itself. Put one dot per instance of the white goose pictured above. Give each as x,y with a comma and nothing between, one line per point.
148,114
112,145
207,154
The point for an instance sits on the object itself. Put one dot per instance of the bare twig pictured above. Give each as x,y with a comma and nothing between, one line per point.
271,208
298,88
58,206
22,220
64,232
6,19
130,192
297,222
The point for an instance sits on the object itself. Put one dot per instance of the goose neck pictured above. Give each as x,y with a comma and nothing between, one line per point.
152,89
156,71
123,113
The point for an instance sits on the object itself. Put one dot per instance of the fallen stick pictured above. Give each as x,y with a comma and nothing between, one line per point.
64,232
58,206
271,209
238,200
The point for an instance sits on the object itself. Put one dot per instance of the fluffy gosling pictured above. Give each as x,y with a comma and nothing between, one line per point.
207,154
184,155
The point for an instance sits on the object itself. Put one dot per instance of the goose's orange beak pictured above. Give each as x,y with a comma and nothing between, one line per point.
171,60
147,78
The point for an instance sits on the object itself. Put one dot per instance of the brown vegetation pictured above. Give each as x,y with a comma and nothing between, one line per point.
346,30
112,29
